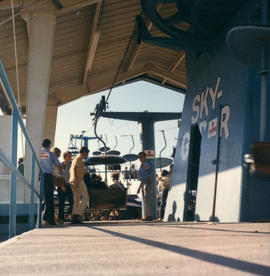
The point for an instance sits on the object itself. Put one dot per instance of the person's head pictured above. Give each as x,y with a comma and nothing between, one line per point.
132,166
46,143
115,176
84,152
142,156
20,160
67,156
164,173
57,152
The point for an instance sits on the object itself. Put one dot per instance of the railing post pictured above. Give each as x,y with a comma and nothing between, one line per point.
41,191
13,180
31,216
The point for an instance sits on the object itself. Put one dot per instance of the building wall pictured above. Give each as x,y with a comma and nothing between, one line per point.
5,138
214,80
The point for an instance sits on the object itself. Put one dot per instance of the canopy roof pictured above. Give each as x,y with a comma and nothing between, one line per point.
91,38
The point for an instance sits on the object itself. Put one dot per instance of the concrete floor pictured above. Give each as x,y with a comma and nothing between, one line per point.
139,248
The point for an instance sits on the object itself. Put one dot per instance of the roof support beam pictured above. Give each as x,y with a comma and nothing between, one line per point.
138,47
97,82
173,78
73,8
6,4
180,57
93,42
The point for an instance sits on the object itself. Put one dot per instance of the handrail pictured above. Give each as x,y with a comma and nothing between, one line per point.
15,170
17,118
10,94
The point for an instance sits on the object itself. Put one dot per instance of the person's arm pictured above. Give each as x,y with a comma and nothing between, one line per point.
76,167
55,161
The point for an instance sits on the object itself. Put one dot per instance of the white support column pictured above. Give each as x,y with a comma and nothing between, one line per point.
41,26
50,122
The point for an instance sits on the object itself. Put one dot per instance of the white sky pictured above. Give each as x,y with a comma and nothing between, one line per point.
75,117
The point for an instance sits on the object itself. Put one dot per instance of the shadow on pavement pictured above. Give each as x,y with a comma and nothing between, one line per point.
204,256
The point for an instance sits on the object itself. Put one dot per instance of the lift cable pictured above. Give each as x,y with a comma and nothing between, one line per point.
120,65
163,133
101,107
16,66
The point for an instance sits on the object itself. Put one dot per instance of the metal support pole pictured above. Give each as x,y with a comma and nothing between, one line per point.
264,68
13,180
217,167
31,215
148,143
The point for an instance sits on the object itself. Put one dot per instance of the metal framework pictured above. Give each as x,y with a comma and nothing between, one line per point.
17,119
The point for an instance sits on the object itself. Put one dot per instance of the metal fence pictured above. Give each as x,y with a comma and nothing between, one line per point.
12,164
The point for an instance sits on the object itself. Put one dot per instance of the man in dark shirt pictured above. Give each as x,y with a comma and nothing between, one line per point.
144,175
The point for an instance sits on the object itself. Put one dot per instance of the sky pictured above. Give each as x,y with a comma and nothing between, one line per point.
74,117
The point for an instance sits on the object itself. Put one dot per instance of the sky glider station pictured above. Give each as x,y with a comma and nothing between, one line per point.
216,52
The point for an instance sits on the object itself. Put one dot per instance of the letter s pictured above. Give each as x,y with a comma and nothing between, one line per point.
196,108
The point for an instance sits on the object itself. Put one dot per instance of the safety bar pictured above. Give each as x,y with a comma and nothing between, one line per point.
17,118
5,160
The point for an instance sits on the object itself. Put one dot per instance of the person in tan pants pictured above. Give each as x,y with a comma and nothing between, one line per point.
79,190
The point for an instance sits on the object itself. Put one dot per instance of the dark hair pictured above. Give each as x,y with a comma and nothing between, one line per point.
46,143
20,160
164,173
84,150
115,176
142,154
56,150
66,153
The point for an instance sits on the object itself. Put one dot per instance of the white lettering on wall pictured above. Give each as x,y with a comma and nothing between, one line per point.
203,126
225,116
201,110
215,94
204,103
196,108
200,104
185,146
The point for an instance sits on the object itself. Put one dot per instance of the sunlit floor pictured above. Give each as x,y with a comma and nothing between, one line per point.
140,248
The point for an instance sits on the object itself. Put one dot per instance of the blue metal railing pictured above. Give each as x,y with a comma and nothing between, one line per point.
17,119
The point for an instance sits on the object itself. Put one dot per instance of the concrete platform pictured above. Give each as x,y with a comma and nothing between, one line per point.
140,248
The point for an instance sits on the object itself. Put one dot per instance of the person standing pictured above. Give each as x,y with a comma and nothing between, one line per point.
144,175
78,187
47,160
65,191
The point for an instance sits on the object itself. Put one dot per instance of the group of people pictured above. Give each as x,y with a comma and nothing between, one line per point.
71,186
130,173
72,183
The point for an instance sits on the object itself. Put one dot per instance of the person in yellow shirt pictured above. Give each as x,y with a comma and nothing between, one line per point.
78,187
